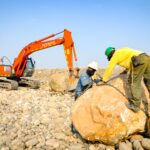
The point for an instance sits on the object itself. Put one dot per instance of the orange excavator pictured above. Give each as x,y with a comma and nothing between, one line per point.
23,66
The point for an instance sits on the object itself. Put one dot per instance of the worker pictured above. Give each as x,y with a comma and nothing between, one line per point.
85,81
138,65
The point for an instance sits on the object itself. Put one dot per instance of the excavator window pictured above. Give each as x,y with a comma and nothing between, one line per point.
30,63
30,67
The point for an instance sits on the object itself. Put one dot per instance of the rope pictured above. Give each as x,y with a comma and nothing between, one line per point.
90,85
114,88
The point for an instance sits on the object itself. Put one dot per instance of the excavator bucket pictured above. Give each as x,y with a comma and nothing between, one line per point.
62,82
72,80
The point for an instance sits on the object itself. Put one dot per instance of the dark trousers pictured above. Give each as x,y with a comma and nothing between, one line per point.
140,69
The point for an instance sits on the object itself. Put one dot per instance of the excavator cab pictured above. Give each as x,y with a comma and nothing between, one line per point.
30,67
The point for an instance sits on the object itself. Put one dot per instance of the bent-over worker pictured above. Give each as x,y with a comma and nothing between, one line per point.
138,65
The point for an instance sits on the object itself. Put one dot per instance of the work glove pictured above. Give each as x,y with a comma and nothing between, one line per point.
96,78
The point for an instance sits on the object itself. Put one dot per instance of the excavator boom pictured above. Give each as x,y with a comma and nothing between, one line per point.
20,65
20,62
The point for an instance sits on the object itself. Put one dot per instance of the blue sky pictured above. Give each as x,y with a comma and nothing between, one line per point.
95,25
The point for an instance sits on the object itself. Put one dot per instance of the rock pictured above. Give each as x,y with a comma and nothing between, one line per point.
5,140
60,136
100,114
52,143
5,148
124,146
137,145
136,137
92,147
146,143
31,142
45,119
128,143
17,144
61,82
101,147
75,147
110,148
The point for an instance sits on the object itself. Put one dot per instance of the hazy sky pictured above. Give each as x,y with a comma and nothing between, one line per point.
95,25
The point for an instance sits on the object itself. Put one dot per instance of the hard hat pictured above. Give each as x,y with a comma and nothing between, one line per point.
93,65
109,50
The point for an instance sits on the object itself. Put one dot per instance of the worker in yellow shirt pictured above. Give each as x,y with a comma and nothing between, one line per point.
138,65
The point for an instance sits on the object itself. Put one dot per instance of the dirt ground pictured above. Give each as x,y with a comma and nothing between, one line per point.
38,119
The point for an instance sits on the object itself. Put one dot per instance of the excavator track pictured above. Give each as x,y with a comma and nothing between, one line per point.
34,84
8,84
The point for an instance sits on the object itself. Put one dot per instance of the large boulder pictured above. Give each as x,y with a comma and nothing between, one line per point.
61,82
100,114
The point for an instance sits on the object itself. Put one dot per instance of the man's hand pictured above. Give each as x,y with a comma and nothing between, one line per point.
96,77
100,83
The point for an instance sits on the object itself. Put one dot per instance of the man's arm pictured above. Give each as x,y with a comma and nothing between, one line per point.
110,68
96,78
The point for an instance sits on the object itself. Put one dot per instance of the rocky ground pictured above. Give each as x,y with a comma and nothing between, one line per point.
40,120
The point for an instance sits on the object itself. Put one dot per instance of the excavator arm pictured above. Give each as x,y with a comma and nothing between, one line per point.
20,62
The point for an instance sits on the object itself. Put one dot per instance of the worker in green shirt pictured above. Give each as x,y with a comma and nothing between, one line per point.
138,65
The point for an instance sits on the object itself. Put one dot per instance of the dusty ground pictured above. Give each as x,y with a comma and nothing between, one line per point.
39,119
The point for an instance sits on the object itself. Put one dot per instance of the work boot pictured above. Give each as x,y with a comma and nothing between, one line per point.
132,107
